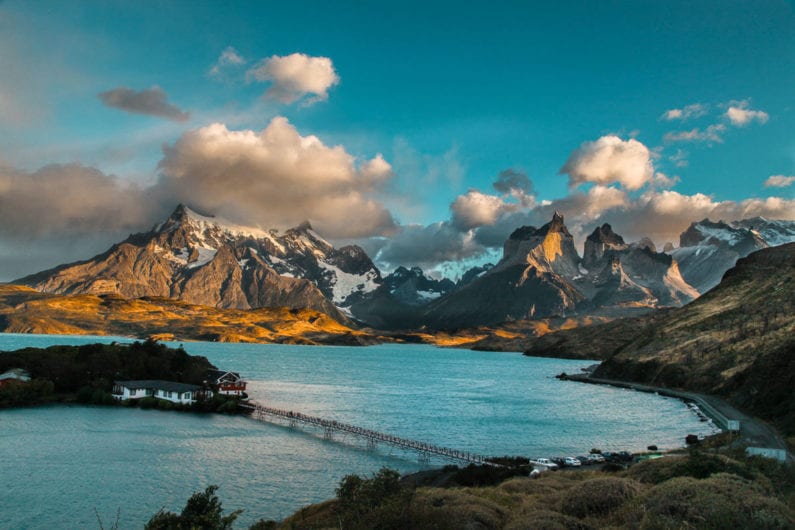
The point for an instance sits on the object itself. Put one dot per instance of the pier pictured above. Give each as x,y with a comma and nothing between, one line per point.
330,427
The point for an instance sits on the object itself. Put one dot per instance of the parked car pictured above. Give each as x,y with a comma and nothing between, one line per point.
596,458
572,462
549,464
559,460
584,460
624,456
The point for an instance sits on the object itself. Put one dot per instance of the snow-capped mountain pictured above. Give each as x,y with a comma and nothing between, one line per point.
708,249
413,287
206,260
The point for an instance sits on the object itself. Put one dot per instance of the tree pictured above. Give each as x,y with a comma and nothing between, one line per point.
202,511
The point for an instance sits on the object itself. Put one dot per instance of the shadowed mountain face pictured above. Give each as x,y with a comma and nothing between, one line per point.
203,260
707,250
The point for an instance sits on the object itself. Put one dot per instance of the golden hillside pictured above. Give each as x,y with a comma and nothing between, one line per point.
25,310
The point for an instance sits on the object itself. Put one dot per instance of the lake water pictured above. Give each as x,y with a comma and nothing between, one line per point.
61,463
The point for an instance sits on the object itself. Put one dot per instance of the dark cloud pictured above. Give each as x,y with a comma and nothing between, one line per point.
511,181
68,200
427,246
151,101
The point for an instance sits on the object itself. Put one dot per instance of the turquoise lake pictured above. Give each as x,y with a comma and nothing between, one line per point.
64,464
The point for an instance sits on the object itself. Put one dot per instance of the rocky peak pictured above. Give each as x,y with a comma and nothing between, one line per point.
601,240
646,243
605,234
413,287
548,249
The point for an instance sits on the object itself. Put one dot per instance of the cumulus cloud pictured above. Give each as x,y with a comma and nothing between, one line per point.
740,115
610,160
151,101
687,112
711,134
69,201
294,76
229,58
779,181
276,178
474,209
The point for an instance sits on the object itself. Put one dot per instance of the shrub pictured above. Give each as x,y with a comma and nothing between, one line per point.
203,510
547,520
599,496
719,502
696,465
453,509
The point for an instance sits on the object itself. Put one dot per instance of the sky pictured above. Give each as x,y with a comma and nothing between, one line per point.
426,132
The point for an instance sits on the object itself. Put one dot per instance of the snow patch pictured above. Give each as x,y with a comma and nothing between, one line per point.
344,284
205,256
428,295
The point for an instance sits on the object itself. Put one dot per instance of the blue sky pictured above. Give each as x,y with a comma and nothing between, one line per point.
450,94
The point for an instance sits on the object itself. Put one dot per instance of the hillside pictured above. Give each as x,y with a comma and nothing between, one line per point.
738,340
24,310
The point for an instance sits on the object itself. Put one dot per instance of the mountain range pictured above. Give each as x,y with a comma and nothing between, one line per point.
207,261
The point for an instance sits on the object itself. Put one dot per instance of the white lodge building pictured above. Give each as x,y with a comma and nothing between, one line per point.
182,393
227,383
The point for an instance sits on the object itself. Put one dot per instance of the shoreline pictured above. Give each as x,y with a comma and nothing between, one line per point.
752,431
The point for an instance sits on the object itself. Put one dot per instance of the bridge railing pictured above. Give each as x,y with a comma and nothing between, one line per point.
371,435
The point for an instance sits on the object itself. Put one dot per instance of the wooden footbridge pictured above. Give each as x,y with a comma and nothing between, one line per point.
373,438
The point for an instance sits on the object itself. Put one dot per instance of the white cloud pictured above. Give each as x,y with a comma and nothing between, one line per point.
740,115
294,76
229,58
711,134
474,209
695,110
779,181
276,178
610,160
679,158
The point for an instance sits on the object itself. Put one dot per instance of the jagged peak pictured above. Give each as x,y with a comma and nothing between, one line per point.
305,226
605,234
556,225
186,217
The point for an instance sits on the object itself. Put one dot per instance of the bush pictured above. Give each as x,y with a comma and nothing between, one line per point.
696,464
547,520
599,496
203,510
454,509
719,502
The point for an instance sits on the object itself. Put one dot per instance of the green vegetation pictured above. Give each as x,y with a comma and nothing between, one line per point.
85,374
694,490
203,510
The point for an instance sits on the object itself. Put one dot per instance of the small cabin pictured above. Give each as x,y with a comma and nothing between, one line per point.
182,393
226,383
14,376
